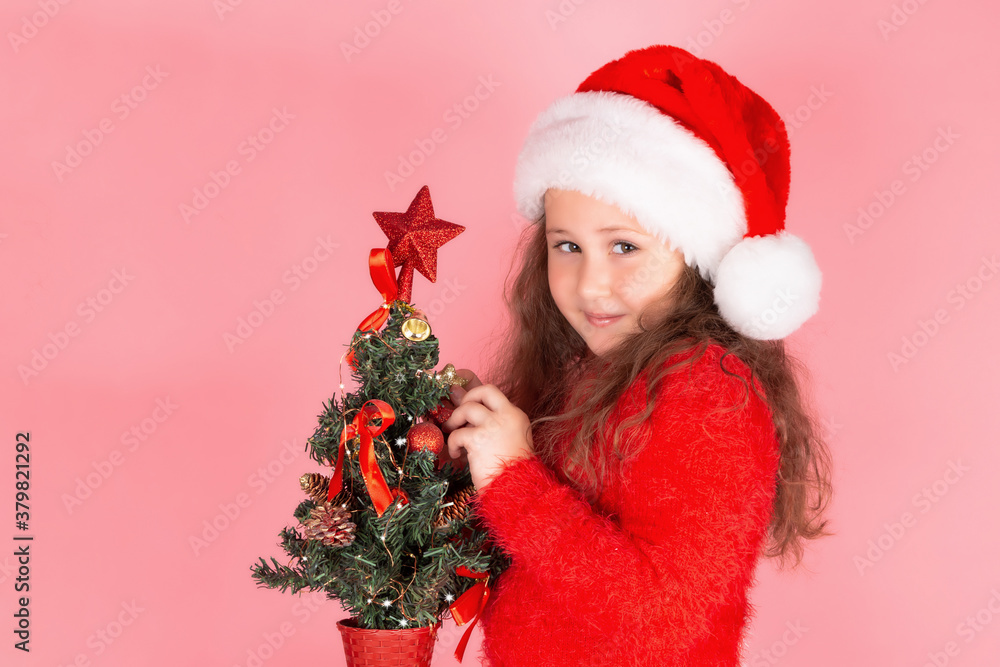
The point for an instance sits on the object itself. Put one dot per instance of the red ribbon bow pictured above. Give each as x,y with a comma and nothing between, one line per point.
383,274
469,605
378,490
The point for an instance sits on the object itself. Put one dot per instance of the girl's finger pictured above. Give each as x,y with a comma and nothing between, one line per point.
471,413
457,392
456,420
446,456
470,376
456,446
489,395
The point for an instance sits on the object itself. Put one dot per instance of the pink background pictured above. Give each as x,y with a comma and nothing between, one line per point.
897,585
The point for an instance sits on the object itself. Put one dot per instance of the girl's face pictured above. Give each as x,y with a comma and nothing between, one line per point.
604,268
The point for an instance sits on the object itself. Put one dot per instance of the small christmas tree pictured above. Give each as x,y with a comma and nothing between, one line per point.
390,532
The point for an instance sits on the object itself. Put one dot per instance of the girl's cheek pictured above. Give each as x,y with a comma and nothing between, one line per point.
632,284
558,276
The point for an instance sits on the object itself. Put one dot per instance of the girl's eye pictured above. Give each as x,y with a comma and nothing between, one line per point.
632,247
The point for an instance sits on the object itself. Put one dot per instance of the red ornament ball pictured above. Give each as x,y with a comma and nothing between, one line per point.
425,437
443,411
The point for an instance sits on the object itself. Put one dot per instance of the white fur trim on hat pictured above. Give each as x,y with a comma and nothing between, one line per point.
768,286
626,152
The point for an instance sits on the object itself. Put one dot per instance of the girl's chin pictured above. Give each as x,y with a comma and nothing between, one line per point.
597,348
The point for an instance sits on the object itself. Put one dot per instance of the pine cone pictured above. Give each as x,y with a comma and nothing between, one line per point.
330,524
458,509
315,485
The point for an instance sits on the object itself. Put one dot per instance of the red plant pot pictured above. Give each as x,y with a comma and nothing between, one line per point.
412,647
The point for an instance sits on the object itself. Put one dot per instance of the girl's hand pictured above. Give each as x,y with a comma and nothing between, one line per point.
457,392
486,429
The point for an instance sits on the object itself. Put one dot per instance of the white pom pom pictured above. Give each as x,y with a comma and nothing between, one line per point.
767,286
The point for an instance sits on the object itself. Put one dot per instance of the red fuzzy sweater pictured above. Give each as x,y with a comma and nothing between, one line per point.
656,571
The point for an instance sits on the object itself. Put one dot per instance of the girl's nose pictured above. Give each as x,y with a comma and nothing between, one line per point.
594,279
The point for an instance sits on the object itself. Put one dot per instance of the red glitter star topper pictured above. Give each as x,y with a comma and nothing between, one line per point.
414,238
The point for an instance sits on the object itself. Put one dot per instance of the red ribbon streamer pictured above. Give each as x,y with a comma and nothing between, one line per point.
469,605
383,274
378,490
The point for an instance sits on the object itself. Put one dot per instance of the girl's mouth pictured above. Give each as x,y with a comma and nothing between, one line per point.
603,320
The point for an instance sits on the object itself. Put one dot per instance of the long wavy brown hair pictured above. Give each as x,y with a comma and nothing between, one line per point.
542,365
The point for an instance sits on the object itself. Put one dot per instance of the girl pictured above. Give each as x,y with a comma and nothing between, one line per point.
645,439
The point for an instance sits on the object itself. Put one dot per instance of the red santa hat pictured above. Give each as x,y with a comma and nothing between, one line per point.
700,160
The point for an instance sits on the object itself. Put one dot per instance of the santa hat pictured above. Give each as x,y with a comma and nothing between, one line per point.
702,163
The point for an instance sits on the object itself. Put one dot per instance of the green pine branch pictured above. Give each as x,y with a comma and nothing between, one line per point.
400,569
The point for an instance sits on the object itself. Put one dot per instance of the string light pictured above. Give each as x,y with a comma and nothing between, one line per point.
389,339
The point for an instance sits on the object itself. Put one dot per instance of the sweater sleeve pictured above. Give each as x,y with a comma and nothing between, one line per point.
696,504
